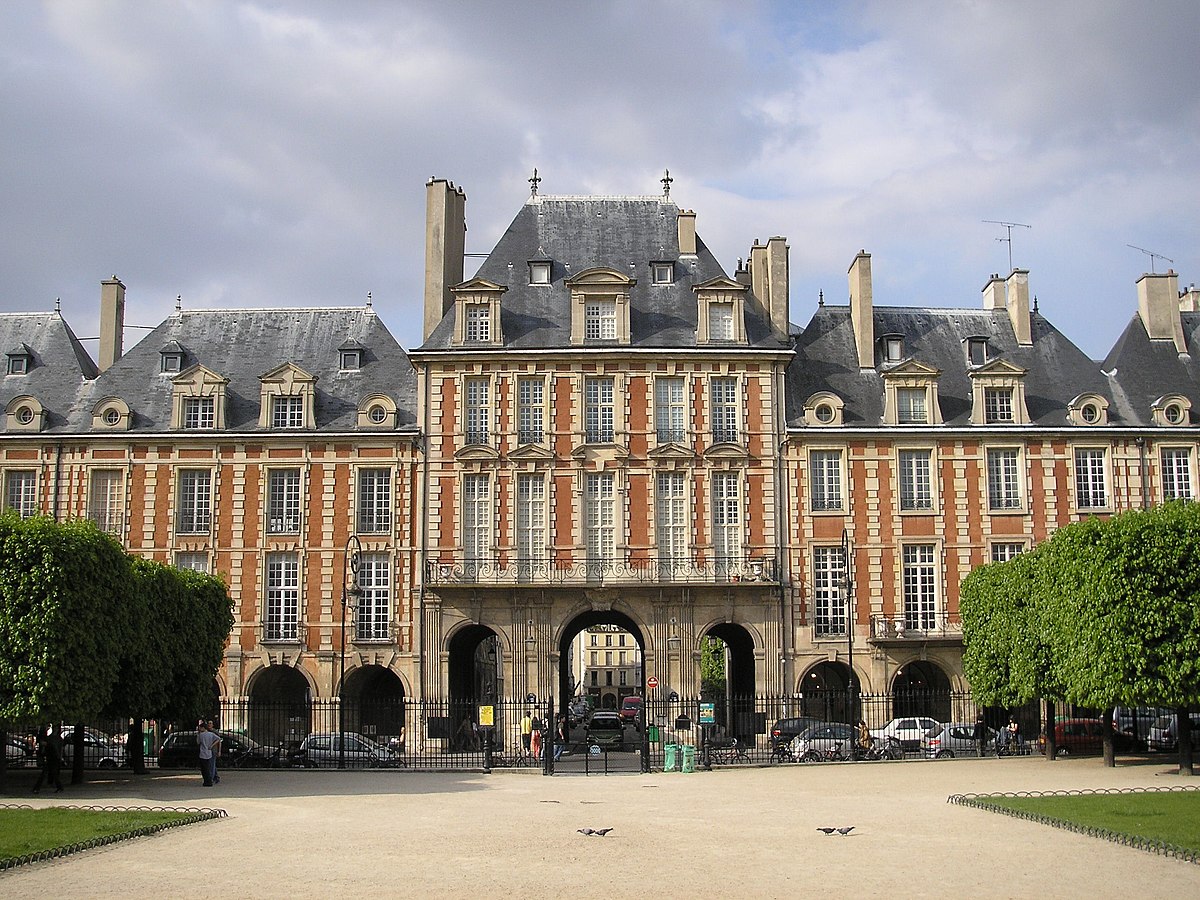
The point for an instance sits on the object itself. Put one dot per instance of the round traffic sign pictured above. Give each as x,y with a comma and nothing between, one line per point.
652,682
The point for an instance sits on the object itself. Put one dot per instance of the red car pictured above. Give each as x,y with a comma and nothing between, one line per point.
631,710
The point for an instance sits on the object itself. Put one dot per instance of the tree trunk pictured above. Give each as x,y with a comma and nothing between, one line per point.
77,751
1051,737
3,759
1110,750
134,748
1183,728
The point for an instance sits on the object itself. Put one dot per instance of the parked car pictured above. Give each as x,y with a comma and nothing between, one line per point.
1081,737
954,739
99,750
1162,734
605,728
577,712
324,751
909,730
822,739
631,710
1137,721
181,750
19,752
785,730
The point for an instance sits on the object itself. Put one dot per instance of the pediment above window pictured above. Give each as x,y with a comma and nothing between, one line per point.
111,414
720,311
600,275
1088,410
477,453
1172,411
532,453
727,451
25,413
823,410
477,313
672,450
911,368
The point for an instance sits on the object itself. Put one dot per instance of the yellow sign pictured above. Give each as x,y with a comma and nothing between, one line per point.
487,716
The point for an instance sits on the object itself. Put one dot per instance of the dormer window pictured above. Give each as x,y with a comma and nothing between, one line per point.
911,394
25,414
198,400
720,311
600,320
998,405
111,414
998,394
19,359
477,313
1172,410
976,351
1087,410
823,409
911,408
171,357
662,273
479,323
600,306
350,356
720,321
287,411
287,398
539,272
893,348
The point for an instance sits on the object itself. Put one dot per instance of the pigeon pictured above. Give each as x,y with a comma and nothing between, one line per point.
827,830
588,831
601,832
846,830
597,832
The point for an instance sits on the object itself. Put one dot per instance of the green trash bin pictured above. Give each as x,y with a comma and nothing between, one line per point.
670,757
689,758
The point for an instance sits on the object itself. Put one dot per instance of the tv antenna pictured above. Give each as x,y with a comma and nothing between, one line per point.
1008,240
1153,256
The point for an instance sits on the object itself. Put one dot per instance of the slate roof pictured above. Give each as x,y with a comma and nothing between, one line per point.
59,367
1142,370
826,359
579,233
244,344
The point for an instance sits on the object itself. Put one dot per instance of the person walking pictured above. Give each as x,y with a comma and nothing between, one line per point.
49,754
535,738
980,734
210,746
526,732
561,736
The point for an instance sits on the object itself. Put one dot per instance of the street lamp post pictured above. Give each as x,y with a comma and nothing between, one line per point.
350,594
848,597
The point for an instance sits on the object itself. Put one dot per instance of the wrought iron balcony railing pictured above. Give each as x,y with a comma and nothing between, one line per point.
671,435
477,436
601,435
509,569
526,436
282,632
726,436
915,627
372,632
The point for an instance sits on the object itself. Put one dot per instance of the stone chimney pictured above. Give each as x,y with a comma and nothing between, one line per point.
1016,289
687,232
445,245
862,313
778,284
994,293
1158,306
1189,300
760,284
112,321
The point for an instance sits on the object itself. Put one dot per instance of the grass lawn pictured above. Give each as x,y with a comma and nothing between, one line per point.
1169,816
25,831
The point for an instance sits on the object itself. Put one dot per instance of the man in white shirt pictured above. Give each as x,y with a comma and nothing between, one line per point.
210,747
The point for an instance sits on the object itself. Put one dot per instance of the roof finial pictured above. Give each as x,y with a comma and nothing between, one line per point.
666,183
1035,303
178,302
368,299
533,183
58,305
821,298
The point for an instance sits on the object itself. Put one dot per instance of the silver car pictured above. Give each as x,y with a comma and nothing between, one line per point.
1162,735
325,751
99,750
954,739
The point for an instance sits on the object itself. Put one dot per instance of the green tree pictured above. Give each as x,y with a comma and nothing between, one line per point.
712,667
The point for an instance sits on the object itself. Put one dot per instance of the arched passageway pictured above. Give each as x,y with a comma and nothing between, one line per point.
374,703
280,708
605,665
475,677
825,692
734,711
921,688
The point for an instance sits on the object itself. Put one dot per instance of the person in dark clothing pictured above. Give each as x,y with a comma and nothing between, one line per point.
50,756
980,734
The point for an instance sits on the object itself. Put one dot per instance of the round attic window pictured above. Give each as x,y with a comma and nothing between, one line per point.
112,416
377,414
824,413
1090,413
25,415
1173,413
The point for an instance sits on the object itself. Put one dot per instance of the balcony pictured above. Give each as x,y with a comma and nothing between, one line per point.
527,436
372,632
671,435
726,436
508,569
899,630
291,633
477,437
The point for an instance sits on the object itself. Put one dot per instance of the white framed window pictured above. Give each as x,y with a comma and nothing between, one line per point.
670,419
479,322
998,406
671,522
829,604
1003,551
1091,479
478,410
1004,478
374,614
599,522
193,510
920,587
727,521
916,483
106,499
662,272
20,491
1176,473
723,392
539,273
477,520
825,475
199,412
598,410
287,411
720,321
911,406
893,348
531,523
283,501
281,618
197,561
600,320
374,501
18,364
531,411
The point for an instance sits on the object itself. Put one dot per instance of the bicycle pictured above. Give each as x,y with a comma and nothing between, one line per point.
733,751
833,753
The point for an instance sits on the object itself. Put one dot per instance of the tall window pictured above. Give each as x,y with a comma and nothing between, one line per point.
727,521
479,322
20,491
600,320
720,321
916,489
724,410
1003,551
281,622
193,514
1004,479
1177,473
189,559
600,517
825,468
910,406
477,519
669,410
287,411
598,413
920,587
671,523
531,523
1090,489
283,501
106,499
375,603
998,405
531,411
829,605
374,501
199,412
479,410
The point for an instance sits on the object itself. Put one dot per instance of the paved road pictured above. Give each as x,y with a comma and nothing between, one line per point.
735,832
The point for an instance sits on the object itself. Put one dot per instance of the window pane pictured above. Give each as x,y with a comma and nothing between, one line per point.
531,400
920,593
20,492
1090,490
910,406
373,615
829,604
283,597
1177,473
287,411
283,501
374,501
916,490
724,393
194,509
598,410
106,499
1004,479
198,412
478,410
825,467
669,409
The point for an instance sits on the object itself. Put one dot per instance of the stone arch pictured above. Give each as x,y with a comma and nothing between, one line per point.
825,689
373,700
583,617
279,706
921,687
734,711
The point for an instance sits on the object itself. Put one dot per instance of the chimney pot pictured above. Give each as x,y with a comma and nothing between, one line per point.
112,322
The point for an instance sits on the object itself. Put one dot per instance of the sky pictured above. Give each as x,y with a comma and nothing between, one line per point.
269,154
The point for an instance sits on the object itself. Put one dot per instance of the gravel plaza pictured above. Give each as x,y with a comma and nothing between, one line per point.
747,832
